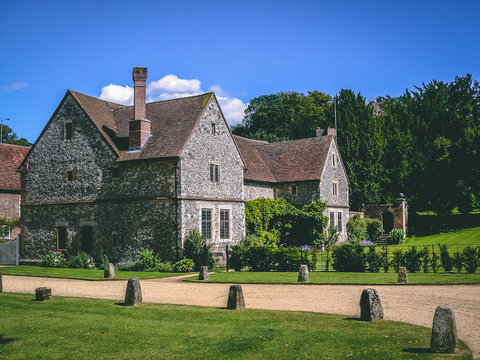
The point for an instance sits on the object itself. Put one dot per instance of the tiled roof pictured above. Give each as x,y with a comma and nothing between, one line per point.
172,123
288,161
10,158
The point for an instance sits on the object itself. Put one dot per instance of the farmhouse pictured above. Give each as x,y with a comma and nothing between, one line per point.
112,179
10,157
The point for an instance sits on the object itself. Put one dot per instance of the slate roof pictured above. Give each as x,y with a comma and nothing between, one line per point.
172,123
288,161
10,158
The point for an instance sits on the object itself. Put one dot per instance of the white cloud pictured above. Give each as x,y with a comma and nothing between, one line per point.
15,86
117,94
172,87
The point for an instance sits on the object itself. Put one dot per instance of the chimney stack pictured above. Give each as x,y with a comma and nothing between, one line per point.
319,132
139,126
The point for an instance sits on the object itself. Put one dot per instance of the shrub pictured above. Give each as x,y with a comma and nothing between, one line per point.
413,260
81,261
458,262
237,257
53,259
374,229
356,229
435,259
165,267
184,265
384,256
103,263
147,261
349,257
396,236
130,266
445,259
374,260
471,259
260,258
398,259
195,248
426,261
289,259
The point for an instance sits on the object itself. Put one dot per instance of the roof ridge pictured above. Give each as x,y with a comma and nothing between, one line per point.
74,93
181,98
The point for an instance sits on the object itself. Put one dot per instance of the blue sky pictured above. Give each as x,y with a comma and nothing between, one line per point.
240,49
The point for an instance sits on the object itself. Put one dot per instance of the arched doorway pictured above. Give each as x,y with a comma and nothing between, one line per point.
387,222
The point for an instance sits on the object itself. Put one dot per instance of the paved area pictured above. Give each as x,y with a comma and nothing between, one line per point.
411,304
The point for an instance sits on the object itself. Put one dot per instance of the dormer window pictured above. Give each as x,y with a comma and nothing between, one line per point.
214,129
68,131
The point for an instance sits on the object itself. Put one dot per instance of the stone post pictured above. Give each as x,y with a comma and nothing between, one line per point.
370,305
133,295
203,275
444,331
303,274
1,281
402,275
43,293
235,298
109,272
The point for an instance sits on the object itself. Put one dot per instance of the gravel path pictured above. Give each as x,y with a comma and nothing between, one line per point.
411,304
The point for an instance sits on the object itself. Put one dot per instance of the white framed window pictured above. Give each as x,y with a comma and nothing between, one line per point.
224,224
339,222
334,188
5,232
214,172
206,223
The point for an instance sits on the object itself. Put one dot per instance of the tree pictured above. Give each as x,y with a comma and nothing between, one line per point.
9,137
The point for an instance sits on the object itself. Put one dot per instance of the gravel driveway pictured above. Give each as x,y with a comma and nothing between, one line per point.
411,304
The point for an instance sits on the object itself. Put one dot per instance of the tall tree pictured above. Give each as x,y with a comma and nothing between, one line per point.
9,137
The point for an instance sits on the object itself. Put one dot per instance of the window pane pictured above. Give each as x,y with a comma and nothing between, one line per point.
217,173
211,172
339,222
332,219
224,224
207,223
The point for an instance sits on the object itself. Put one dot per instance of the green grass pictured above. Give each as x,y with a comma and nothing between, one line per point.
452,237
100,329
341,278
84,274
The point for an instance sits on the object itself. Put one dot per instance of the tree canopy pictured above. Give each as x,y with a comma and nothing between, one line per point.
9,137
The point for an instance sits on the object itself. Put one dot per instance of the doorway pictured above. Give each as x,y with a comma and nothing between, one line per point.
87,239
387,222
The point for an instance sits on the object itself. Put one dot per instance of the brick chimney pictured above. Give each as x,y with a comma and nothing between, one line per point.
319,132
139,126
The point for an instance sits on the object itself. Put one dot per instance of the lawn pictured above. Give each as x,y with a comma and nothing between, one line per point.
247,277
467,236
83,274
100,329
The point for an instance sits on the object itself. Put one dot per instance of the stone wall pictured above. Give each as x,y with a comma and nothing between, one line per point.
398,210
256,190
9,206
306,192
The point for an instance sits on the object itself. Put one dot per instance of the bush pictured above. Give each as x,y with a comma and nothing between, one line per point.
413,260
130,266
81,261
435,259
374,260
398,259
147,261
349,257
374,229
445,259
458,262
237,257
165,267
426,261
384,256
184,265
471,259
53,259
396,236
260,258
288,259
103,263
356,229
195,248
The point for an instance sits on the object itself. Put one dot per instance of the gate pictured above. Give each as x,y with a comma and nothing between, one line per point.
9,252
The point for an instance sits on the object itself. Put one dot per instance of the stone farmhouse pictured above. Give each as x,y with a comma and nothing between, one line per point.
10,157
112,179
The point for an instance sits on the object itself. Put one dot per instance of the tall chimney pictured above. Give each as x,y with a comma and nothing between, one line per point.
139,126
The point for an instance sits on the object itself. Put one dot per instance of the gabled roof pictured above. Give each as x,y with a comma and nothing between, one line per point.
172,123
288,161
10,158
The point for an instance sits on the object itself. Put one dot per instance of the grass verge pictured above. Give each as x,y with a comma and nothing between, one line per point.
86,328
248,277
82,274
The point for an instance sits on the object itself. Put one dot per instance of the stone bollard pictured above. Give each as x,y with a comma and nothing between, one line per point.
1,281
203,275
43,293
133,295
370,305
303,274
402,275
109,272
444,331
235,298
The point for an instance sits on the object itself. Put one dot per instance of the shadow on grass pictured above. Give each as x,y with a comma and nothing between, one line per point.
4,340
352,319
418,350
122,304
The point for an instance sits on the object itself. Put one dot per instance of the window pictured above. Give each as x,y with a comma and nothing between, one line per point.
207,223
335,189
61,237
294,189
70,175
214,172
339,222
332,219
19,207
87,239
334,160
214,129
224,224
68,131
5,232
